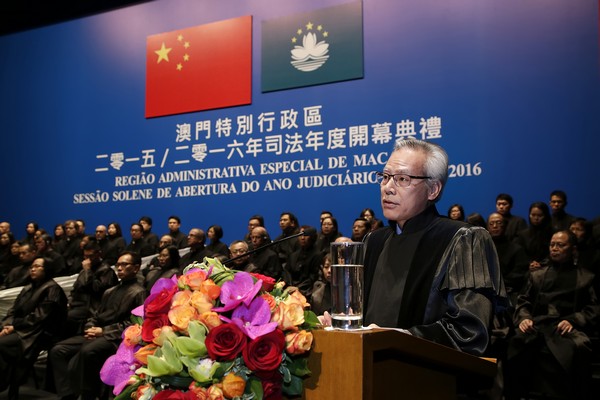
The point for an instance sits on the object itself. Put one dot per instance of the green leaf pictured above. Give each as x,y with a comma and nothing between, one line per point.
190,347
299,366
294,387
254,386
311,321
128,391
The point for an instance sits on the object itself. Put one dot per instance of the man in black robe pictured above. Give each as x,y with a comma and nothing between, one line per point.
77,361
437,278
550,352
195,241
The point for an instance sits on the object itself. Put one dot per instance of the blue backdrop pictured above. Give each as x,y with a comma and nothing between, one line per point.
513,85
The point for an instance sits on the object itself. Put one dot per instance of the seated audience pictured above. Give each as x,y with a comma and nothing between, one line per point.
215,246
265,260
168,265
31,325
536,238
116,243
138,244
150,237
320,297
550,352
195,241
237,249
302,267
514,224
19,275
360,228
329,232
456,212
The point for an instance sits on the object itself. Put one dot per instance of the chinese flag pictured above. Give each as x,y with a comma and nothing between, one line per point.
199,68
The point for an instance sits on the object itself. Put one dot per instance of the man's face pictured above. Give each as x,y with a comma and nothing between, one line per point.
4,239
323,216
561,251
402,203
125,268
36,271
165,241
495,225
557,203
40,244
27,253
578,230
237,250
257,237
4,227
80,227
91,255
173,225
502,207
285,222
100,232
146,226
136,232
194,237
253,223
359,230
71,229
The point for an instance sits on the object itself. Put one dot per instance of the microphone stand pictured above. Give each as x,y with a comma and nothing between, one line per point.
301,233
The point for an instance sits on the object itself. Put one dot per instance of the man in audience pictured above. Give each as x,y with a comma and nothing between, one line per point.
165,241
512,223
4,227
95,277
254,221
360,228
289,226
102,237
150,237
138,244
561,220
80,224
237,249
71,251
43,244
179,238
550,352
195,241
302,267
265,260
76,361
19,275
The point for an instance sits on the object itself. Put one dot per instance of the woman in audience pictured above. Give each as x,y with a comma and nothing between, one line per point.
116,243
536,238
588,254
215,246
456,212
58,241
329,232
8,259
320,298
168,265
369,215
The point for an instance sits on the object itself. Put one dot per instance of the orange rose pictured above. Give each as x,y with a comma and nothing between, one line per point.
270,301
233,386
181,298
142,354
288,316
298,342
193,279
215,393
298,298
210,319
181,316
209,288
199,391
132,335
201,302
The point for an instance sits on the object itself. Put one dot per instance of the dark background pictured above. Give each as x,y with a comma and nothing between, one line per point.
20,15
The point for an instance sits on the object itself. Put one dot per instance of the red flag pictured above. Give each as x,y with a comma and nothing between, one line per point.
199,68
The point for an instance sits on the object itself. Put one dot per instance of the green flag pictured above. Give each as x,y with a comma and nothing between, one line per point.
312,48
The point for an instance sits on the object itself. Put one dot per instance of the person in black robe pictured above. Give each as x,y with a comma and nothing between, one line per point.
115,245
215,246
168,265
536,237
20,275
434,277
320,297
550,352
266,260
302,267
77,360
32,324
195,241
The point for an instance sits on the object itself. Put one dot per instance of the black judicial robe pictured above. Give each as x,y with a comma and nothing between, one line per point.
440,279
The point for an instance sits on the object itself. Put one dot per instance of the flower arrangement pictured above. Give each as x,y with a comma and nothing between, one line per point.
214,333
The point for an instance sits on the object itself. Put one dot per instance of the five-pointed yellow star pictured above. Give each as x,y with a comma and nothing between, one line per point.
179,67
186,57
294,40
180,37
186,45
163,53
309,26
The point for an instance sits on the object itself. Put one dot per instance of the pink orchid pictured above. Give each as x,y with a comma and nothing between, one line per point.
254,320
120,367
241,289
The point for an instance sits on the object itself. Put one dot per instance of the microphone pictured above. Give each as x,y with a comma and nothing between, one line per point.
306,232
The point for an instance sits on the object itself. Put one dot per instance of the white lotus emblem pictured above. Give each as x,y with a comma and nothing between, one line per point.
311,55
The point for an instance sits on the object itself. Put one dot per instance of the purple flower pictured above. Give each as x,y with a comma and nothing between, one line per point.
120,367
241,289
254,320
163,283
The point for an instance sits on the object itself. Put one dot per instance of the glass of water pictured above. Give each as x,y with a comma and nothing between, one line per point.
347,265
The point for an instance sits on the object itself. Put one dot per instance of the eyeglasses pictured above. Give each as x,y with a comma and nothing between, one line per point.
123,264
401,180
238,251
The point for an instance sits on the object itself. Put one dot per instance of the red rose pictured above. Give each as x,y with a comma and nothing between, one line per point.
272,382
174,395
264,353
225,342
159,303
268,283
150,324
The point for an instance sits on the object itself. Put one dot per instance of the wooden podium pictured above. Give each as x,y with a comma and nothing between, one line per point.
386,364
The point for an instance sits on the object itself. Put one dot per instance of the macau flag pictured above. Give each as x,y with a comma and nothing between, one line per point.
318,47
199,68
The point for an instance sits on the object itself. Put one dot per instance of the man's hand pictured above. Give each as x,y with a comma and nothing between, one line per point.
526,326
7,330
93,332
564,327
